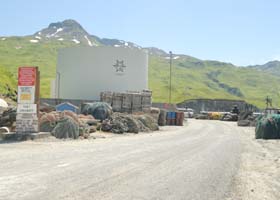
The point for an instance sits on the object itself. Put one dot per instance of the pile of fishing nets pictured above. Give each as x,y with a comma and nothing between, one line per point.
61,124
67,124
128,123
268,127
66,128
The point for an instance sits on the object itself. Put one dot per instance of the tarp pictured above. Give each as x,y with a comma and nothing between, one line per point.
268,127
99,110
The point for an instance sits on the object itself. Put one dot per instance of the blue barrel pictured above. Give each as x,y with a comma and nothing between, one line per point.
173,115
169,115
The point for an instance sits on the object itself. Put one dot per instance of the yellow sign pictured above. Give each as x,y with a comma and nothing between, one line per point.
25,97
26,94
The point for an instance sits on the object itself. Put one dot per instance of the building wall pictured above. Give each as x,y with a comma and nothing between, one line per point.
84,72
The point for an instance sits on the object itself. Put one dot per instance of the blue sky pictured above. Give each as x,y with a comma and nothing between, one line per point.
243,32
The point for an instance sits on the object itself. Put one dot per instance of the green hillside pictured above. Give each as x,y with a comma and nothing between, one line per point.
7,83
18,51
191,77
211,80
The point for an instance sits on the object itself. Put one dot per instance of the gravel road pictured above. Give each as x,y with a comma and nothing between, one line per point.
197,161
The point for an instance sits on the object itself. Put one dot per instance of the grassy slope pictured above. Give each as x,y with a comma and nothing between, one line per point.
7,79
192,82
190,76
30,54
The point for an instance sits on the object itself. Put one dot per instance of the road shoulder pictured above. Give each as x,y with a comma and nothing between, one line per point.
258,177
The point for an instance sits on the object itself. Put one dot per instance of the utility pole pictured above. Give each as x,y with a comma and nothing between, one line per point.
57,85
170,62
268,102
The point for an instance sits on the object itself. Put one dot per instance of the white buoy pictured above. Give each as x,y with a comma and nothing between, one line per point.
3,103
5,129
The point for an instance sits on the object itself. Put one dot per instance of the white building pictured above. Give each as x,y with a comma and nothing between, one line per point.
84,72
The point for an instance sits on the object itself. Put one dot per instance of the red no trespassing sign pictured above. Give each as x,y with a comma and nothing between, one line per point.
27,76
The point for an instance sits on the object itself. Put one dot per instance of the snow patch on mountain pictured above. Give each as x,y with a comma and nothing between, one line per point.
38,37
76,41
34,41
57,31
89,42
174,58
137,46
60,39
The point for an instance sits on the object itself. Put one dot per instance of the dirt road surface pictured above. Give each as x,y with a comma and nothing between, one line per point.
258,177
198,161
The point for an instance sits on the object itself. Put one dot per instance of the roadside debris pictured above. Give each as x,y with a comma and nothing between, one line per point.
247,118
136,115
8,118
230,117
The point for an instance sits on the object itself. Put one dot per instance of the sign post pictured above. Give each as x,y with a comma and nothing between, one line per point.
28,100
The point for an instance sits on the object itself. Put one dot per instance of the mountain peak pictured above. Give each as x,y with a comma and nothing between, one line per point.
270,64
272,67
67,30
274,62
68,24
